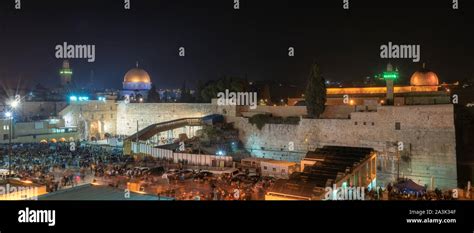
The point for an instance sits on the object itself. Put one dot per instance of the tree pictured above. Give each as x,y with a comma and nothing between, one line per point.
265,95
315,94
153,95
166,96
186,96
212,88
200,87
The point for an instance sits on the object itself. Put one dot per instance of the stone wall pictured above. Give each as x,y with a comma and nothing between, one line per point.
92,118
152,113
427,133
278,111
39,110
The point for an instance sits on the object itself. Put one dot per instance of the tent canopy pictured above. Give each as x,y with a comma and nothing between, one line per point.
409,186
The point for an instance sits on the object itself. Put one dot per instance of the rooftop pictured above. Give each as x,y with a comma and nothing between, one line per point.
274,161
332,160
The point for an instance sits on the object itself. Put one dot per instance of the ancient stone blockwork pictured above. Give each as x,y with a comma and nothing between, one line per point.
151,113
427,133
93,118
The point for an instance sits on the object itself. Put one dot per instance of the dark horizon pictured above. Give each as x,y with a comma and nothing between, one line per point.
251,42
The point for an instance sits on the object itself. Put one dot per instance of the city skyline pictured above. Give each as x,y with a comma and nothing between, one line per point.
220,42
356,111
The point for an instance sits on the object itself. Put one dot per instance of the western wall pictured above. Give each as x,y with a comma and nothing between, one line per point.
150,113
426,131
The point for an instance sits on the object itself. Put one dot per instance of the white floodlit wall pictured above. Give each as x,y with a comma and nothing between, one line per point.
427,133
192,159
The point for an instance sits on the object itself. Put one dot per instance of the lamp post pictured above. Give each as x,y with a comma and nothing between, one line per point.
398,165
9,115
136,140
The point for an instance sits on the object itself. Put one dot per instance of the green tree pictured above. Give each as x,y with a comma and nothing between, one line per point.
315,94
198,95
186,96
265,95
211,88
153,95
166,96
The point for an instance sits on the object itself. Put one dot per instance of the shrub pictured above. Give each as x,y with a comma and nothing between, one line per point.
259,120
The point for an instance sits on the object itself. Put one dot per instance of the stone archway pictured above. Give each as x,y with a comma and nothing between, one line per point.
95,129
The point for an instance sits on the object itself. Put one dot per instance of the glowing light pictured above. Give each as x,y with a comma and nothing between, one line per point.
73,98
65,71
53,121
390,75
351,102
379,90
8,114
14,103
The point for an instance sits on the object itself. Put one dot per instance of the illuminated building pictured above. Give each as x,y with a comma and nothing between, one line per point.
424,88
424,77
328,171
136,84
37,131
66,74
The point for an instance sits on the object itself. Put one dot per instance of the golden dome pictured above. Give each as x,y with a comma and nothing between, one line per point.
136,75
424,77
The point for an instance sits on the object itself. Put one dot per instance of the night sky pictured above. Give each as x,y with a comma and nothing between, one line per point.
219,40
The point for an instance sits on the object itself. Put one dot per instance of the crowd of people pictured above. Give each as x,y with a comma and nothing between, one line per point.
57,167
54,165
219,187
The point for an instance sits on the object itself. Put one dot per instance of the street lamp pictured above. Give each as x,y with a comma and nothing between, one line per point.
14,103
9,115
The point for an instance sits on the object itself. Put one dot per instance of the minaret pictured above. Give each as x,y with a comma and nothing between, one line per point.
66,74
389,77
91,80
389,67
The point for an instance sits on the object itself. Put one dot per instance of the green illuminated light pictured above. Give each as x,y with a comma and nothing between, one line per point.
65,71
390,75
